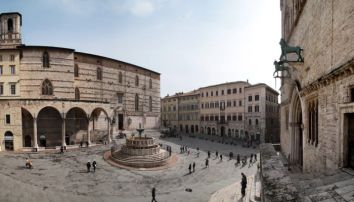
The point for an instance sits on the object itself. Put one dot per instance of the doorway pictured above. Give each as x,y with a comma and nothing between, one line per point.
222,131
9,141
28,141
120,122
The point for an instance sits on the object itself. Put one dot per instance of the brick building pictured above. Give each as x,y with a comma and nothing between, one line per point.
52,96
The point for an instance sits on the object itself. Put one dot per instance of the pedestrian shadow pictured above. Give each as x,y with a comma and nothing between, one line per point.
82,171
187,174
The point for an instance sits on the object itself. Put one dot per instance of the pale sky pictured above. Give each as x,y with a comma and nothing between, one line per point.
192,43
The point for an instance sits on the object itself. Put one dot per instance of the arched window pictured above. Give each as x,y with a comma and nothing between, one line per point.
150,83
45,59
47,87
99,73
136,80
256,121
77,94
10,25
120,77
76,70
150,104
136,102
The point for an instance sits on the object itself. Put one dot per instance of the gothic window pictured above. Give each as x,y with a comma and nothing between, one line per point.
136,80
77,94
150,104
99,73
10,25
45,59
136,102
150,83
76,70
47,87
256,121
313,122
120,77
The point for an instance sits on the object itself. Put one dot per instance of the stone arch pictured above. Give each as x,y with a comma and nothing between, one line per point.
99,125
9,140
49,127
27,127
296,129
76,123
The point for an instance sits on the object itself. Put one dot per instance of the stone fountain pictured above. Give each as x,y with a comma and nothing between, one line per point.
140,152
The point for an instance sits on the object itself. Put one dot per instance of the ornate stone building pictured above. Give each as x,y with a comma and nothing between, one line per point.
236,109
317,98
52,96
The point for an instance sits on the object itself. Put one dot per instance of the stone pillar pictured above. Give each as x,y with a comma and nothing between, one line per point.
88,131
63,142
35,139
109,130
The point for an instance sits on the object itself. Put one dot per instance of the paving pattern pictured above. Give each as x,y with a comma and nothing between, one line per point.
63,177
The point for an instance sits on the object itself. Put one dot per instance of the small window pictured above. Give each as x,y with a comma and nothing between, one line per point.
250,98
256,108
228,117
150,104
234,91
45,60
228,103
249,121
256,97
99,73
137,102
211,93
1,88
76,70
10,25
228,91
120,98
1,70
216,93
222,92
120,77
206,94
13,69
235,103
8,119
12,58
13,89
234,118
240,103
77,94
150,83
136,80
240,117
256,122
202,94
240,90
0,58
249,108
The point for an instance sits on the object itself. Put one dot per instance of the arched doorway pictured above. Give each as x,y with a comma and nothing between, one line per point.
192,128
9,141
297,133
208,131
27,128
75,126
49,127
213,131
100,129
222,131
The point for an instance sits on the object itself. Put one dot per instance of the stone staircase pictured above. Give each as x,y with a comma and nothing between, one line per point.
325,188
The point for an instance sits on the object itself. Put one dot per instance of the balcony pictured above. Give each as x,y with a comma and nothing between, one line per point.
222,122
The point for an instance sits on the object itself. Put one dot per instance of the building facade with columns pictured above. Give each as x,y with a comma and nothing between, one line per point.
317,95
52,96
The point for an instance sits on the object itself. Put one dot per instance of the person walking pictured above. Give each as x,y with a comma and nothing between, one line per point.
255,157
217,154
220,157
208,154
193,167
88,165
238,159
94,165
190,168
206,163
62,149
153,194
243,184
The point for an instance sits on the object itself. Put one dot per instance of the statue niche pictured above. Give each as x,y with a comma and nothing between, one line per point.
285,49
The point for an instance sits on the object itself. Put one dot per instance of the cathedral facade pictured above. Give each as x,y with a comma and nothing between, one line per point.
51,96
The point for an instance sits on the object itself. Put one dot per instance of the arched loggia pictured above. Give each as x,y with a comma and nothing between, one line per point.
100,126
49,127
27,128
76,123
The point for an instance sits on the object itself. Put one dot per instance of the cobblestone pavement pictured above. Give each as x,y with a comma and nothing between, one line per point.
63,177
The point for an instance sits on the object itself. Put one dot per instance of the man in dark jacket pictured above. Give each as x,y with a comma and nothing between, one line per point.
243,185
153,194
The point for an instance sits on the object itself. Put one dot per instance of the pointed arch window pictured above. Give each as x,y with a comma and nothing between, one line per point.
76,70
47,87
136,80
77,94
150,83
10,25
45,59
150,104
99,73
136,102
120,77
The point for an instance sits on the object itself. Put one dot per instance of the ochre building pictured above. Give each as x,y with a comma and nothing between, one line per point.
52,96
317,98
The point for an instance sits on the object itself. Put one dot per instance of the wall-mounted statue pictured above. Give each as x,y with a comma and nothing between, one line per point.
280,67
285,49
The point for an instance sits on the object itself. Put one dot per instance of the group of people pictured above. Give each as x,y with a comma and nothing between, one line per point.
253,159
191,168
93,164
184,149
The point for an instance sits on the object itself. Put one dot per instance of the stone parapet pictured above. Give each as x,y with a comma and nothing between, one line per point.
276,184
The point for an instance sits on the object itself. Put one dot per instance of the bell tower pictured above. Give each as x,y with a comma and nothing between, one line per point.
10,30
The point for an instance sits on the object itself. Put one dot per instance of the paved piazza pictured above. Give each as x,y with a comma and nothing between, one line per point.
63,177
